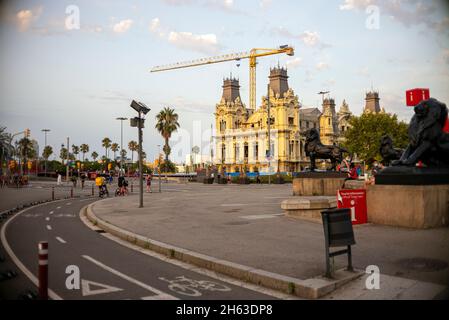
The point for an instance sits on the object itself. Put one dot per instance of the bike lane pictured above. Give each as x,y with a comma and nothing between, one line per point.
107,269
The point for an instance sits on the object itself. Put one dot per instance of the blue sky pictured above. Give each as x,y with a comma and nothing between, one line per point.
76,82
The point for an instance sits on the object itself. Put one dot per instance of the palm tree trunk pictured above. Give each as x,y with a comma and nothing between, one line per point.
166,154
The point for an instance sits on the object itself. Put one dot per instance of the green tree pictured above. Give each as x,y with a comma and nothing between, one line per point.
94,155
25,150
84,148
363,137
6,150
123,153
106,143
47,152
114,148
75,150
166,124
133,146
63,154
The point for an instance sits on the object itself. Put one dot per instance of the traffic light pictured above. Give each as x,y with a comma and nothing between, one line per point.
27,133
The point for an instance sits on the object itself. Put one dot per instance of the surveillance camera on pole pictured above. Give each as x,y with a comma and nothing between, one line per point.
138,122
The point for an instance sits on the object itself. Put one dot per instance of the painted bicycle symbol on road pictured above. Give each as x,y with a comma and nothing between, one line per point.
191,288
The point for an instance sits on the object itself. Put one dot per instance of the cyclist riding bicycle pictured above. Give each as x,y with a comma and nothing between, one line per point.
100,182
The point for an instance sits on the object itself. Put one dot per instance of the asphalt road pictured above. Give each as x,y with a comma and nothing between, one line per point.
108,270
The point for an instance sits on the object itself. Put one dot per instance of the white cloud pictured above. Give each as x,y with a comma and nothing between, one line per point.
294,63
406,12
24,18
122,26
310,38
355,4
265,3
204,43
322,66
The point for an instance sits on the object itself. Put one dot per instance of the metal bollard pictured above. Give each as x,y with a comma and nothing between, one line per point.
52,193
92,189
43,270
132,185
71,192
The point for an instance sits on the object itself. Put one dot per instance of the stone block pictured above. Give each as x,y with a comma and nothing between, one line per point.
308,208
412,206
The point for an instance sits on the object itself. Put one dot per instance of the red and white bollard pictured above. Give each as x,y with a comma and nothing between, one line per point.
43,270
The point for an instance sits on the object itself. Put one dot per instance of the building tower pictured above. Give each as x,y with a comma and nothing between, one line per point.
231,89
278,81
344,114
372,102
328,122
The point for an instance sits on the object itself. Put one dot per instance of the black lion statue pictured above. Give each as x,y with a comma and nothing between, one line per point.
428,142
387,151
316,150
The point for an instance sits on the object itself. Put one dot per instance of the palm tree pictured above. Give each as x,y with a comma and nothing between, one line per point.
94,155
167,123
47,152
84,148
75,150
6,150
123,153
133,146
25,150
63,154
114,148
106,143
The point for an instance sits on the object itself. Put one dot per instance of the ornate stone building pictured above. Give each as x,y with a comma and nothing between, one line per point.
372,103
241,139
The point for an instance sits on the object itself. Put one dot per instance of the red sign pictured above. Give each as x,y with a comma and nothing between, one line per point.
415,96
354,199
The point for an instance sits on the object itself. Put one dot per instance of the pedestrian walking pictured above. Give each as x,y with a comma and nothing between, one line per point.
59,180
148,180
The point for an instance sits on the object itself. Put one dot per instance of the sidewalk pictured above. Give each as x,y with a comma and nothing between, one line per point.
245,225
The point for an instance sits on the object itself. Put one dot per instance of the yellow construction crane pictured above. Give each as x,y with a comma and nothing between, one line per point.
251,55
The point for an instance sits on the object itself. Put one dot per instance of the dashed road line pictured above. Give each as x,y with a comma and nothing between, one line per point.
58,207
47,219
51,212
159,294
49,227
61,240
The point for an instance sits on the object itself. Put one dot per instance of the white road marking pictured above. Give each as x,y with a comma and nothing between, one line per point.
233,204
160,295
16,260
48,227
61,240
186,266
87,291
68,203
51,212
58,207
260,216
47,219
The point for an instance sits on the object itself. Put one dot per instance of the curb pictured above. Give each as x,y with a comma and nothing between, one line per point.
313,288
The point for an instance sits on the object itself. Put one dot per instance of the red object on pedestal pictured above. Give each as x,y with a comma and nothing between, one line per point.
354,199
415,96
446,126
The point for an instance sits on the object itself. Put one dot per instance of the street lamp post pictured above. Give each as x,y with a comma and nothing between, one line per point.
269,134
159,166
45,131
138,122
68,157
121,141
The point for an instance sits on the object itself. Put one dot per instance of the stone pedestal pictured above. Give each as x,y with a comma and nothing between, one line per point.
412,206
308,208
318,183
